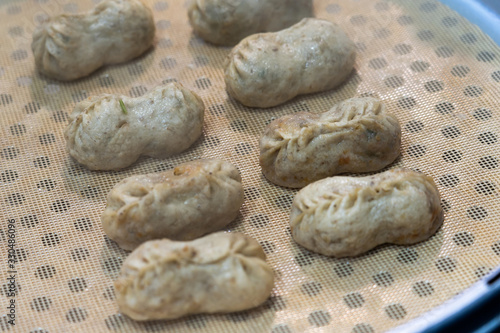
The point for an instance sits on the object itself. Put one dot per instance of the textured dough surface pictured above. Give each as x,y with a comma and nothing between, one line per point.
226,22
193,199
221,272
347,216
268,69
163,122
356,135
68,47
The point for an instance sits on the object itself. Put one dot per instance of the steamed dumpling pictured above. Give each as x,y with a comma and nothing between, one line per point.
110,132
226,22
268,69
184,203
221,272
347,216
68,47
356,135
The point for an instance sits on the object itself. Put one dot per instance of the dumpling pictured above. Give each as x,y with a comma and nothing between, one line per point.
110,132
268,69
68,47
221,272
356,135
347,216
226,22
193,199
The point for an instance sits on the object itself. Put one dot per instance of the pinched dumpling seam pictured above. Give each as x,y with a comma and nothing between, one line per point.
263,43
215,176
154,263
328,124
333,201
131,200
187,255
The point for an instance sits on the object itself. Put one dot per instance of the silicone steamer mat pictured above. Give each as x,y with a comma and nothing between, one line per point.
438,73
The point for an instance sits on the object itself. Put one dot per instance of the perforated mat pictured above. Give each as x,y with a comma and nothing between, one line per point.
438,73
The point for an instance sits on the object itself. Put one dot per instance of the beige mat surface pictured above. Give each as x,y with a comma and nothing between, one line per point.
438,73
